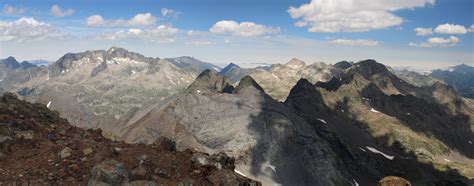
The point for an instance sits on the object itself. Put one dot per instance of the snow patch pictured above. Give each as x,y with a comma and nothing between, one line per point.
275,76
447,160
408,113
198,91
470,142
272,167
322,120
355,182
133,72
378,152
362,149
238,172
373,110
47,105
216,69
364,98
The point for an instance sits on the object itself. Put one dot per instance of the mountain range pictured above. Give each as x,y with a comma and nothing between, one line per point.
349,123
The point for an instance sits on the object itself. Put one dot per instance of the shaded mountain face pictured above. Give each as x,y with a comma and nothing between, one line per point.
234,72
460,77
343,64
39,147
270,142
12,72
103,87
208,82
190,63
418,128
12,63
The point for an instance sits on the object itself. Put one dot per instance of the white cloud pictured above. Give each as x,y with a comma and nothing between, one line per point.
144,19
198,43
160,34
26,29
58,12
423,31
352,15
438,42
165,12
10,10
95,20
451,29
243,29
356,42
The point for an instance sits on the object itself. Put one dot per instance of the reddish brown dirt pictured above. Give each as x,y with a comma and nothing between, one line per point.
38,161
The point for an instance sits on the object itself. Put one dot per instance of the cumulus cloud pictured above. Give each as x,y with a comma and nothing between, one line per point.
438,42
243,29
451,29
144,19
160,34
27,29
95,20
351,15
356,42
10,10
59,12
423,31
166,12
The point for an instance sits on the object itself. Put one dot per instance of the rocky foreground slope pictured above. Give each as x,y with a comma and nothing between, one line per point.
40,148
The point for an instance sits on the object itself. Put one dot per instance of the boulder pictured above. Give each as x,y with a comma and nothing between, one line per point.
65,153
394,181
108,172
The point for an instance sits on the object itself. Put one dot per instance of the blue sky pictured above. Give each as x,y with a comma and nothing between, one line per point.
246,31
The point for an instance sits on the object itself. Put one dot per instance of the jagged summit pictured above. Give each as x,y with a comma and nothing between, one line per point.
368,68
229,67
295,63
343,65
209,82
12,63
234,72
246,82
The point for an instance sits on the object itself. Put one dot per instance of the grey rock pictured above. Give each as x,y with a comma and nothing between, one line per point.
65,153
5,142
108,172
28,134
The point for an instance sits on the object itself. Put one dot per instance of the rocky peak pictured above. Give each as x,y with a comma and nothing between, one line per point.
295,63
209,82
234,72
229,67
343,65
11,62
368,68
117,52
304,90
246,82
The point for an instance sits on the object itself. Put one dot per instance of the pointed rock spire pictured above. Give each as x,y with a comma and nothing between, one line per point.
209,82
246,82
